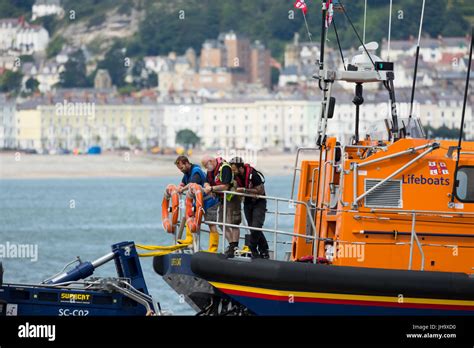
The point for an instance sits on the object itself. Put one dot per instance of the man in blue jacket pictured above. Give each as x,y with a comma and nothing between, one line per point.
192,173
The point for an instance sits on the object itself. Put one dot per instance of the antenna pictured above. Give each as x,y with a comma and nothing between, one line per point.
389,30
365,21
412,100
461,130
323,36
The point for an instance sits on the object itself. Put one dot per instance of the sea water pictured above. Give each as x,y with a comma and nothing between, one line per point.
65,218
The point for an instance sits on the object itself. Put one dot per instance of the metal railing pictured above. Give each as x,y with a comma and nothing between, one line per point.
275,231
296,168
414,236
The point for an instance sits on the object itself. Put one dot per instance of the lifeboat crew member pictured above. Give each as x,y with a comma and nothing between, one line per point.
192,173
220,178
251,181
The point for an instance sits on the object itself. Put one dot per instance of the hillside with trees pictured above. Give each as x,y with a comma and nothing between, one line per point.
179,24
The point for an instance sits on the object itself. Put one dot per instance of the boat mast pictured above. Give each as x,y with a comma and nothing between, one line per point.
416,69
461,130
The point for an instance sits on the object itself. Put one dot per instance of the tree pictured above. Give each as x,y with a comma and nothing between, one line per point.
187,138
134,141
31,85
75,73
55,46
275,76
15,8
48,22
10,82
142,76
115,63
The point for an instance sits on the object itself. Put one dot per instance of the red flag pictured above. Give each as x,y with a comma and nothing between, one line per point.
329,13
301,5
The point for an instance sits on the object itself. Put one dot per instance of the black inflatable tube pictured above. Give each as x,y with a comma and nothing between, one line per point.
308,277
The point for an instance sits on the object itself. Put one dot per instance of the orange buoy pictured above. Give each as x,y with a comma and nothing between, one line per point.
171,193
194,216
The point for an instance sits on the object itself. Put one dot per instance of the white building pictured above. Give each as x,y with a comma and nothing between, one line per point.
180,115
30,39
16,34
43,8
7,122
8,30
431,49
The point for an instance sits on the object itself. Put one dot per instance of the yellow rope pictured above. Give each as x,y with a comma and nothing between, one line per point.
162,250
156,253
159,247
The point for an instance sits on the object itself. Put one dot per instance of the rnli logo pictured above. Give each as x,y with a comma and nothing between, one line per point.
438,168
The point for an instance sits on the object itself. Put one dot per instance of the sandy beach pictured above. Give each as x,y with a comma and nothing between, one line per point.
31,166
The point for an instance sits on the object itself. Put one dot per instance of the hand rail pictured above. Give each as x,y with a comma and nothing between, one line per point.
275,231
295,169
415,237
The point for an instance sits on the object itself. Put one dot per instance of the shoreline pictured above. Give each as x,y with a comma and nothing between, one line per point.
117,165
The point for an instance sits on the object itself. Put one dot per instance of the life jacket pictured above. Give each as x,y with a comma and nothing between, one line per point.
195,169
209,200
214,177
247,182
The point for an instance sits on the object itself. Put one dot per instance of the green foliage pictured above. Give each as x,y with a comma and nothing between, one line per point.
125,8
55,46
74,74
50,23
114,63
96,20
143,77
187,138
270,21
31,85
86,9
134,141
164,28
10,82
26,58
127,89
15,8
275,76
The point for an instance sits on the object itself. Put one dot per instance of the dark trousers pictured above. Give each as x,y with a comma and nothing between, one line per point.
255,215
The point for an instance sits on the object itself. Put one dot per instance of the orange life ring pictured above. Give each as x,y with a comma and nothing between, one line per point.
194,216
171,193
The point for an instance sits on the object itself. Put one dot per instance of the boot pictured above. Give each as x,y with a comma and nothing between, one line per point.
230,252
213,242
189,237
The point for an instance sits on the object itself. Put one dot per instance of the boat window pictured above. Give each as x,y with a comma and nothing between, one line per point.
465,189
